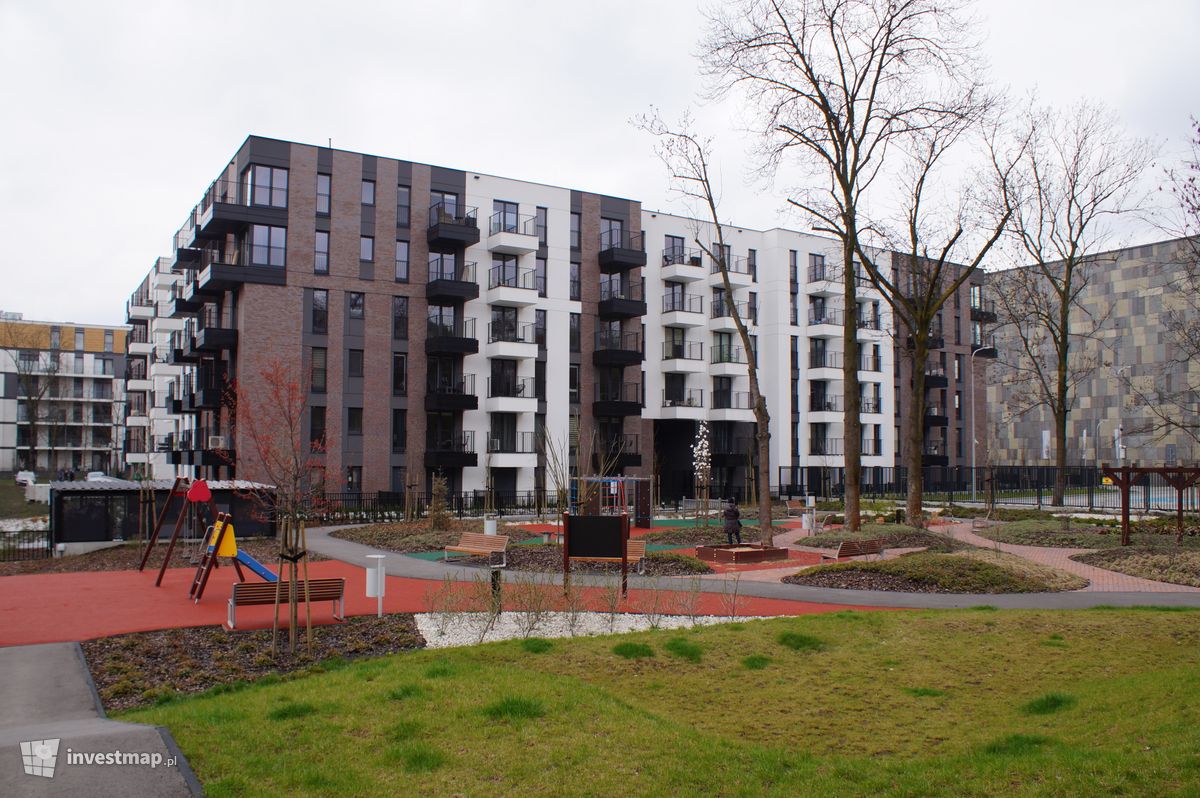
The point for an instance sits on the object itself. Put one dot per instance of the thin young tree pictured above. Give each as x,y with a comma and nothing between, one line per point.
1077,170
702,468
688,158
37,367
833,84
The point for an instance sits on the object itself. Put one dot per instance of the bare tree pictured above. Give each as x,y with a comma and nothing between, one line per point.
37,367
834,84
1077,169
687,156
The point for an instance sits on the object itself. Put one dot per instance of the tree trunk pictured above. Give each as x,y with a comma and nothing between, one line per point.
916,430
763,436
1062,388
1060,456
851,421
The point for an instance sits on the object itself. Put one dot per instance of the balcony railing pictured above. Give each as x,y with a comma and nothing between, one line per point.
824,360
508,277
625,443
682,256
870,363
731,400
461,385
460,328
512,387
872,447
507,222
693,397
683,350
634,290
139,334
511,332
735,264
452,213
619,340
619,392
826,316
983,305
441,268
512,443
825,446
934,410
825,404
457,442
869,322
723,307
727,354
685,303
935,448
871,405
620,239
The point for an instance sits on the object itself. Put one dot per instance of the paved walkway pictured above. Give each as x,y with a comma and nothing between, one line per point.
47,695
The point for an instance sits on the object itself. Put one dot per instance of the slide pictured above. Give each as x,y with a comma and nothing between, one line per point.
255,566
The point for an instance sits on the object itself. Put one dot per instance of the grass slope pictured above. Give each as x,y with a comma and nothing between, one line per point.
895,536
905,703
969,571
12,501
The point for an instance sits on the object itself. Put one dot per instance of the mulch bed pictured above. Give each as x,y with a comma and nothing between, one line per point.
414,537
862,580
149,667
127,557
1161,563
548,559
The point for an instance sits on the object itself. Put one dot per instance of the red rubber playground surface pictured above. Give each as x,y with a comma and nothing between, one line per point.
65,607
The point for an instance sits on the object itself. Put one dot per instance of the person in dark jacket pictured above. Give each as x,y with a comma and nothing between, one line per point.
733,523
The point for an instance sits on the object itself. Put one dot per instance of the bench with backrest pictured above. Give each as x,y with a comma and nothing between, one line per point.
795,507
251,594
635,554
857,548
481,545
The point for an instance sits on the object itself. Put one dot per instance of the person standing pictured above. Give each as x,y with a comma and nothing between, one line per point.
733,523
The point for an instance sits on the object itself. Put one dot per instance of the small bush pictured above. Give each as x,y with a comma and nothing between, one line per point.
756,662
291,711
684,649
513,708
1048,704
536,645
1016,745
801,642
633,650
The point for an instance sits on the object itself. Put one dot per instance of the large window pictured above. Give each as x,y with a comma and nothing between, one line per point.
402,261
573,384
399,374
108,341
320,311
403,205
505,216
368,192
611,233
576,286
268,245
79,339
400,317
268,186
354,363
539,275
317,375
366,248
324,188
358,301
444,206
399,436
574,231
541,226
316,428
321,253
354,421
574,332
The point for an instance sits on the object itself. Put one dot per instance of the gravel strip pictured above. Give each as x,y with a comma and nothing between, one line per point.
464,629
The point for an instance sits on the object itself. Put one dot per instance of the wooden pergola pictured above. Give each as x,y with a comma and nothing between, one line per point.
1180,478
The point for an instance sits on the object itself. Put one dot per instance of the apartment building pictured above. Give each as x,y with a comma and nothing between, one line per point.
62,393
446,321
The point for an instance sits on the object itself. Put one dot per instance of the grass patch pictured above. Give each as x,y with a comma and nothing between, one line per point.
1048,704
677,563
688,535
515,708
417,757
440,669
684,649
292,711
755,662
536,645
895,536
405,692
925,692
404,730
972,571
12,500
1016,745
800,642
633,650
1052,532
1162,561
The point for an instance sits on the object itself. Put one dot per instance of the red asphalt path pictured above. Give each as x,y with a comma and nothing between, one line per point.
65,607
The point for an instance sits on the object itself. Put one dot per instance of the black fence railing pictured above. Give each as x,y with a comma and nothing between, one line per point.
383,506
30,544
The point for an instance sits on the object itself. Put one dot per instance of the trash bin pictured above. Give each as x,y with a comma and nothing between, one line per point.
489,525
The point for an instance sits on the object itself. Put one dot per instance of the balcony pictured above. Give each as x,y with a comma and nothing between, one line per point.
870,362
620,451
682,265
512,394
181,347
936,378
451,337
214,332
683,310
617,348
451,394
622,301
869,321
683,357
936,338
983,311
738,269
508,339
826,360
512,234
825,323
221,272
870,405
451,281
624,399
511,287
512,443
731,400
871,447
984,346
825,280
620,251
456,450
825,447
935,453
728,361
140,305
182,302
936,417
204,390
452,226
683,404
721,315
223,211
825,404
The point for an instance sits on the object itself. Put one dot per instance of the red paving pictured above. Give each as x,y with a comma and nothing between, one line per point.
65,607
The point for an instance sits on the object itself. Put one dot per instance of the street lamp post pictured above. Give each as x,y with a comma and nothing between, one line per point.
971,388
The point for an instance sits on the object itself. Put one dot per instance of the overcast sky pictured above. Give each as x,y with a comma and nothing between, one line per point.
120,114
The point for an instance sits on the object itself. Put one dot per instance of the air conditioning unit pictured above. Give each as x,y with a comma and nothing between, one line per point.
216,441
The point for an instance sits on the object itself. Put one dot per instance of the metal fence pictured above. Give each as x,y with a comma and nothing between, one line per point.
1030,486
31,544
383,506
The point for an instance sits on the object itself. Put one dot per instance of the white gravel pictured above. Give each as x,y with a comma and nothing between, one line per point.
23,524
465,628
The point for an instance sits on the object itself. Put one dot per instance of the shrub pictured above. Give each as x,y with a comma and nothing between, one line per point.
801,642
756,662
633,650
684,649
536,645
514,708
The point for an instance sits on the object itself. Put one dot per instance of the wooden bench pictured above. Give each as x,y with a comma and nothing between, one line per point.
481,545
251,594
635,555
857,548
795,507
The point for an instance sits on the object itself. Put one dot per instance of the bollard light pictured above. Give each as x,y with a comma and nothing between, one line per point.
376,581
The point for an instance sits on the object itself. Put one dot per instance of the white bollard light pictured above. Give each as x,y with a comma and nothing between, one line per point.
376,581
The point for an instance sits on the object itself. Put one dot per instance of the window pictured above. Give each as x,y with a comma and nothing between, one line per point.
399,374
576,288
324,183
317,377
575,231
673,250
104,365
357,305
402,261
403,206
368,192
443,206
55,337
574,338
539,275
541,226
354,420
354,363
399,435
611,233
321,253
268,245
320,311
366,248
108,341
400,318
539,328
316,428
573,384
79,339
958,368
505,217
268,186
752,262
354,477
958,405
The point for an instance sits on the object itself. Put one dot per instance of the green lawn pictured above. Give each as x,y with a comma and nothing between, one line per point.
971,702
12,501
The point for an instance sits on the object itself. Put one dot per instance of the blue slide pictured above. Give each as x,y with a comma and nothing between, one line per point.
255,566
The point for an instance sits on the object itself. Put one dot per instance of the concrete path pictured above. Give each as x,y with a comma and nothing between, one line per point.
46,694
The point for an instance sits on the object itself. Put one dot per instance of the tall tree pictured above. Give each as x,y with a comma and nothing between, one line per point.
687,157
834,84
1076,171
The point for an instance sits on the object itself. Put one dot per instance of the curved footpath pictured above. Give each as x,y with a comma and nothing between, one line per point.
1123,594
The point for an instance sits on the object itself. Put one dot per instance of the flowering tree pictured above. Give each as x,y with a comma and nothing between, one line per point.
702,468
